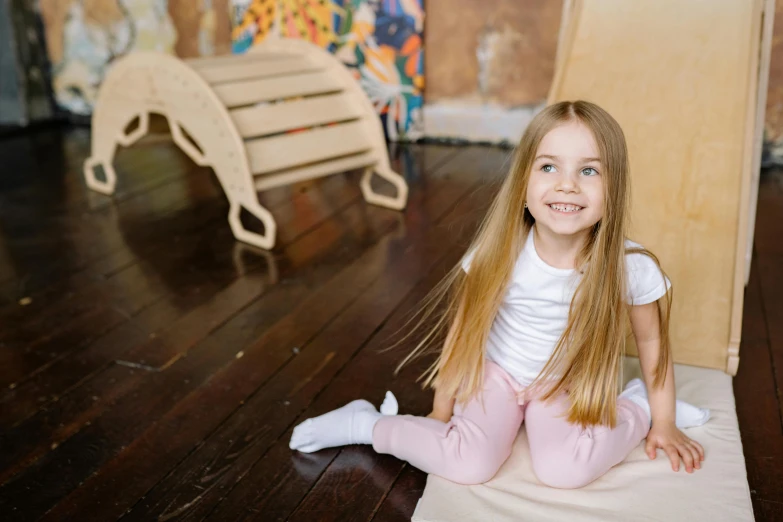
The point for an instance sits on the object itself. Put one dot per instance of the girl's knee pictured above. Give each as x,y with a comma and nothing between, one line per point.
477,468
563,471
472,473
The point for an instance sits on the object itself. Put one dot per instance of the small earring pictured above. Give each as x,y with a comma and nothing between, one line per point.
524,204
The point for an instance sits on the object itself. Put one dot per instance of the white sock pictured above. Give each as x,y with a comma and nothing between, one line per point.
351,424
686,415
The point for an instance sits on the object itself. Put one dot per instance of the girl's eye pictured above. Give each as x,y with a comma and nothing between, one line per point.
548,168
589,171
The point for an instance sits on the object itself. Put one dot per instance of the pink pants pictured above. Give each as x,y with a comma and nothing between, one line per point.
471,447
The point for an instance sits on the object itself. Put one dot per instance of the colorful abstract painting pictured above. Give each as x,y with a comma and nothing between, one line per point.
380,40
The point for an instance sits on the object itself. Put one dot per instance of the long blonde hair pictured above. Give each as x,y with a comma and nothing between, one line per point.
587,359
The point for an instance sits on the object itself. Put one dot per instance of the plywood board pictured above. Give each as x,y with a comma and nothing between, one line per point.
680,77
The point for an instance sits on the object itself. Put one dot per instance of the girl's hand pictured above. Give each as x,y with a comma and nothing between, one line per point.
676,444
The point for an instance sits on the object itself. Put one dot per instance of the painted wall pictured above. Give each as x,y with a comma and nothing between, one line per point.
84,36
489,66
489,62
492,51
379,40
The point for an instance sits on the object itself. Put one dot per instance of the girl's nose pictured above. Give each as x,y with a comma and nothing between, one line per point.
566,184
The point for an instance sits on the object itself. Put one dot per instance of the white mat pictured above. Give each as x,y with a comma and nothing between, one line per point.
637,490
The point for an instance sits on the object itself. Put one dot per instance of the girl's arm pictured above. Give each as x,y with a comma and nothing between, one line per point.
647,332
663,434
443,405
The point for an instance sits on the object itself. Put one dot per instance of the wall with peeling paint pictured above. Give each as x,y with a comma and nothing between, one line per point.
83,37
499,51
490,64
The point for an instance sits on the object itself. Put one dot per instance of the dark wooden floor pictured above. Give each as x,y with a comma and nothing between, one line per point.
153,369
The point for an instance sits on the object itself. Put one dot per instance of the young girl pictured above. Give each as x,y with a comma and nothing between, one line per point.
538,312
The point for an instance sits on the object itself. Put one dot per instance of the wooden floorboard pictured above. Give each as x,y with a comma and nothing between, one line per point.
278,481
757,386
113,421
186,280
400,501
231,450
375,276
159,367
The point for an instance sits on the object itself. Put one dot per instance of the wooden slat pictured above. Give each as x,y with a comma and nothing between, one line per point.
255,69
207,62
296,114
249,92
316,170
290,150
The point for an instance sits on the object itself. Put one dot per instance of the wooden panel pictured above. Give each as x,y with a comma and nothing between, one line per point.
253,91
260,120
316,170
253,69
290,150
683,102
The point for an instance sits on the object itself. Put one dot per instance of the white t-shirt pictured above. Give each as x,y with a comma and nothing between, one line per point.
534,311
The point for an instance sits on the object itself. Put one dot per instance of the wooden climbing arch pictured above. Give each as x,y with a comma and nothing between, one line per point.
286,111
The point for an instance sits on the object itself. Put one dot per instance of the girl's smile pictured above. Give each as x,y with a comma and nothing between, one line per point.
565,194
564,208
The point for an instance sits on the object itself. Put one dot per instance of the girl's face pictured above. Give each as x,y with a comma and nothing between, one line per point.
565,193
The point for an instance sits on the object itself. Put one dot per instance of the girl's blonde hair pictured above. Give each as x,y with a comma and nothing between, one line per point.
587,359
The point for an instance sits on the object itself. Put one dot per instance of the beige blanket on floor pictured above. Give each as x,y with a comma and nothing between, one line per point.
636,490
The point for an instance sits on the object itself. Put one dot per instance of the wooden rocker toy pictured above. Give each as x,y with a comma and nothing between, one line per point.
287,111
